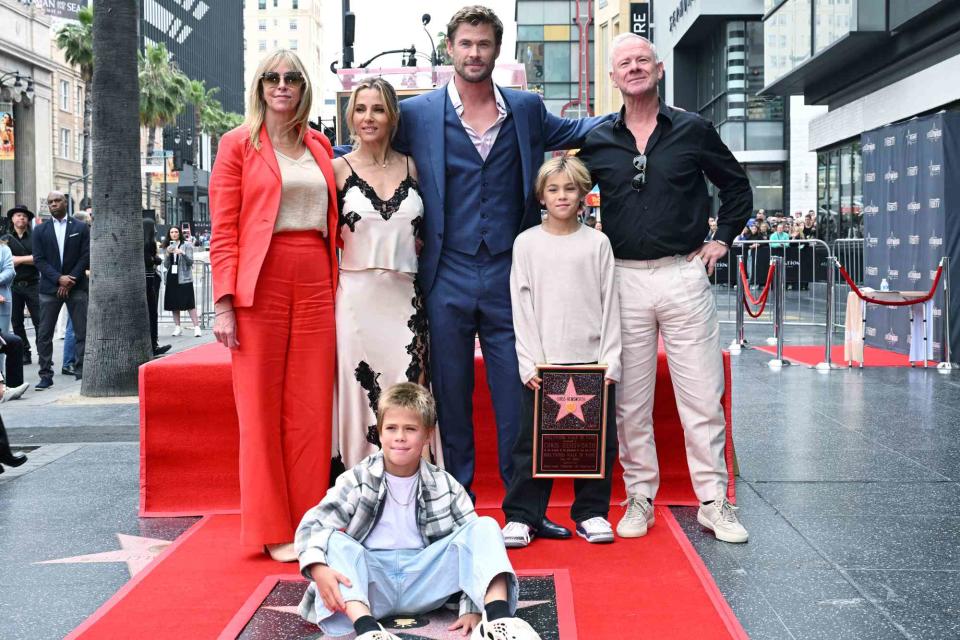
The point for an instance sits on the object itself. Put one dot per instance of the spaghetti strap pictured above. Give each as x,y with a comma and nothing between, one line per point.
408,165
349,165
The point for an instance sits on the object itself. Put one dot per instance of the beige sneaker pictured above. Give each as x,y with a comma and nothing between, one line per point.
720,516
637,519
516,535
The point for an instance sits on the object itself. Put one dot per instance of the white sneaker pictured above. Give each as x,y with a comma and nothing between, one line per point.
503,629
517,535
595,530
721,517
176,330
196,332
13,393
637,519
382,634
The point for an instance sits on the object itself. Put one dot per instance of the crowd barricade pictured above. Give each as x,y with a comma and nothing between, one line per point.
798,273
848,252
202,293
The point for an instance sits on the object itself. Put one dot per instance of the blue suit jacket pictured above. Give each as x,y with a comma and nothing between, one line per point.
76,254
421,135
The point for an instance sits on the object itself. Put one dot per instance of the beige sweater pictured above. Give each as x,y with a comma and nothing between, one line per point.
566,308
303,199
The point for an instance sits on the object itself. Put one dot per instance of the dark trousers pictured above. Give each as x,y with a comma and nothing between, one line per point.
13,349
471,297
26,295
527,498
153,297
50,307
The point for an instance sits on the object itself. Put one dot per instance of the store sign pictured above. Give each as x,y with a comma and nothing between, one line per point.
640,19
682,7
67,9
8,138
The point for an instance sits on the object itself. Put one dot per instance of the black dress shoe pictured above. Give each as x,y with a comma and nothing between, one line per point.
11,460
550,529
78,374
27,359
68,370
159,351
45,383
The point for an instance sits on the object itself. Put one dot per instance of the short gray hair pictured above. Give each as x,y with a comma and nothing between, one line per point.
624,37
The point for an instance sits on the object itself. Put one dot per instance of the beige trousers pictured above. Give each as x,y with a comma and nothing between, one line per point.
670,297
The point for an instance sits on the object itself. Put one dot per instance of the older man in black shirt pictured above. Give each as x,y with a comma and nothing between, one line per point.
650,163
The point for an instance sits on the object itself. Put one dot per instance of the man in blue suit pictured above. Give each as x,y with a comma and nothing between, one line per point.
61,252
477,147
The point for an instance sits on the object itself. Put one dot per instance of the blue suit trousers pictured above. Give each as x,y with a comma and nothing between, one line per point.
471,297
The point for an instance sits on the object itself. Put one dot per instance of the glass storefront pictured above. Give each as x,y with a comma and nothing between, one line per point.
840,192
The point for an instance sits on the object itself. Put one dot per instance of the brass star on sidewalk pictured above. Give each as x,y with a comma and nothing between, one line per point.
136,551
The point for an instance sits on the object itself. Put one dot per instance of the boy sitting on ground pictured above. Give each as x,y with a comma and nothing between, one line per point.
398,535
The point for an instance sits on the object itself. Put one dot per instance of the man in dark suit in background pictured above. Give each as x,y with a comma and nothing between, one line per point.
61,252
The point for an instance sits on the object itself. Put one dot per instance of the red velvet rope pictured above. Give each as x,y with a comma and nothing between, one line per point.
762,301
891,303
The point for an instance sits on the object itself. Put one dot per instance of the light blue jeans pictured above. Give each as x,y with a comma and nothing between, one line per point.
69,345
417,581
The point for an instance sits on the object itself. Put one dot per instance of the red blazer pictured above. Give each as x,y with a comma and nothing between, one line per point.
244,201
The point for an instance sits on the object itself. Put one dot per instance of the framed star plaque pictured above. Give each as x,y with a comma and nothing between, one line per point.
570,422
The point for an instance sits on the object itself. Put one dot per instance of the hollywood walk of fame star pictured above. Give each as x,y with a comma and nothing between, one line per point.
438,627
570,402
136,551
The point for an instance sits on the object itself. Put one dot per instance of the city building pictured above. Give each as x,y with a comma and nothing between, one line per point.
285,24
26,100
555,44
66,128
869,63
206,40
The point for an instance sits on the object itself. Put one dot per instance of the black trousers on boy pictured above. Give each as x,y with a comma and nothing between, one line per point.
527,498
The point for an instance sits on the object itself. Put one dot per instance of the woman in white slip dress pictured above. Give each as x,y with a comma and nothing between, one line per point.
381,321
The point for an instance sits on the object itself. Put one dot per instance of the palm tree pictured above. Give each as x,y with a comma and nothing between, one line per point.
76,42
215,122
202,100
118,335
163,91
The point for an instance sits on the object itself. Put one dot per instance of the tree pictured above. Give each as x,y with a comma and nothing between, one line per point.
443,56
163,91
203,100
215,122
118,334
76,42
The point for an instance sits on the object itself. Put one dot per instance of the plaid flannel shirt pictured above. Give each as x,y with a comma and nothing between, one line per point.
353,505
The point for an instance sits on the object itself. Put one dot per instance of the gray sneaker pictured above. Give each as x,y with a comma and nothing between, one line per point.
637,519
517,535
596,530
13,393
720,516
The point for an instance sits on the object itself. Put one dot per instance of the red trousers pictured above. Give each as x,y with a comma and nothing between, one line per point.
283,374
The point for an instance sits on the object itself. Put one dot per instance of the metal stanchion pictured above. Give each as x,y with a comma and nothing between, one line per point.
740,339
827,363
779,294
947,365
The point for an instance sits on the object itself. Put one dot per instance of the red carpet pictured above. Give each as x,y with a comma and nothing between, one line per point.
654,587
872,357
189,448
656,583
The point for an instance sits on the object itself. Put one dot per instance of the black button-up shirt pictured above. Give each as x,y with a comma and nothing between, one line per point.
26,273
669,215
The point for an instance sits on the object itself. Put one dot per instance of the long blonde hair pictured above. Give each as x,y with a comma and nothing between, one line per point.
257,106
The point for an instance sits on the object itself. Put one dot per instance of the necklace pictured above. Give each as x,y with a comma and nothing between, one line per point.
413,491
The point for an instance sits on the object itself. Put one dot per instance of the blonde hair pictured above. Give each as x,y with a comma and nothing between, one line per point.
408,395
257,106
390,103
571,166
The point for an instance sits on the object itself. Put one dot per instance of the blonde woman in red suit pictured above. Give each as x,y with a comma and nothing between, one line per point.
273,205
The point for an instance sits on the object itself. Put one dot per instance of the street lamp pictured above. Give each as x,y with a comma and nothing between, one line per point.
16,91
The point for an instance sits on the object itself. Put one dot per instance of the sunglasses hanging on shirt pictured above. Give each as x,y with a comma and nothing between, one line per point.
639,180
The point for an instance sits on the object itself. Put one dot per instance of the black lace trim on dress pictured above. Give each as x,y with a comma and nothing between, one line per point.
350,219
386,208
370,381
417,224
419,347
